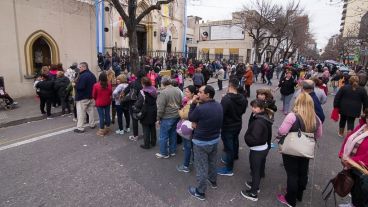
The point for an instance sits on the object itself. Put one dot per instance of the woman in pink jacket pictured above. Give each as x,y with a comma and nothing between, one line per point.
303,117
355,147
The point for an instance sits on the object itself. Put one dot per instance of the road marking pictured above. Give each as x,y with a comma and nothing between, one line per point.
36,139
9,140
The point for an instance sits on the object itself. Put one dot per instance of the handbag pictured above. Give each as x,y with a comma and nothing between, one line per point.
342,184
184,129
131,96
335,114
301,144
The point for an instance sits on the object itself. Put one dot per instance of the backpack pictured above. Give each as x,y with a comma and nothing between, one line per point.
139,114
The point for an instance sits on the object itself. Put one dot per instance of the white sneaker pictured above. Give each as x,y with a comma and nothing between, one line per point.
159,156
119,131
127,130
133,138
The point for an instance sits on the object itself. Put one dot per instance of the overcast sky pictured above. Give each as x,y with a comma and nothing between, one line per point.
325,17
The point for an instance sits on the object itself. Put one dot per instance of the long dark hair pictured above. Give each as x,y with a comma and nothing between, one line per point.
103,80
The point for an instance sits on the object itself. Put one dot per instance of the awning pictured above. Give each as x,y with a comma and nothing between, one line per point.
205,50
219,50
234,51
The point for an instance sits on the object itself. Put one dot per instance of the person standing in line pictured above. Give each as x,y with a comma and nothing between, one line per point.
84,101
287,89
101,93
122,108
220,78
45,89
168,105
302,117
206,136
184,113
60,86
198,78
350,100
248,79
146,104
257,137
233,105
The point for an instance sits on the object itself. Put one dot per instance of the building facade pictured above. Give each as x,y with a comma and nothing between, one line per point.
52,31
353,11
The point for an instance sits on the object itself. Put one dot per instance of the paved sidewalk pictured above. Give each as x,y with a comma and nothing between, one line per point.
28,110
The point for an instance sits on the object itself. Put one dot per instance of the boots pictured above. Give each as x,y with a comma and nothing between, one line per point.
341,132
100,132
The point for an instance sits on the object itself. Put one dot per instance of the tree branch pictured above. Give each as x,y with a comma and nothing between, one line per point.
121,11
157,6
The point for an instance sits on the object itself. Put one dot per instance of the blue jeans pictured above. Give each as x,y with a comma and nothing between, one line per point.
230,146
286,102
187,151
104,116
168,136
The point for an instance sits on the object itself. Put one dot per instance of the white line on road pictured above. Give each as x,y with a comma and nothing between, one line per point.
36,139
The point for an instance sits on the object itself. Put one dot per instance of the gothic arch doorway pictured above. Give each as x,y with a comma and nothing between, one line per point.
40,49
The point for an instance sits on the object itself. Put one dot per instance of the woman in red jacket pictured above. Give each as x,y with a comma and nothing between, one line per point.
355,147
102,92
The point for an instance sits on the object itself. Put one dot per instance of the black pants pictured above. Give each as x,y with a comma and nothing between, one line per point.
231,146
65,104
219,83
247,88
47,102
256,160
297,177
149,132
344,119
135,121
358,193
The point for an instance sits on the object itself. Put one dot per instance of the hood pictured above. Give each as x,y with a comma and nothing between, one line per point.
237,98
151,90
264,116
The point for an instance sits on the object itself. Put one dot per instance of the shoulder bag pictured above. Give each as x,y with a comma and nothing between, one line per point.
301,144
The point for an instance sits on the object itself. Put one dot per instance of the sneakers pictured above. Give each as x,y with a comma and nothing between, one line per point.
133,138
225,171
119,132
49,118
172,154
249,186
182,168
78,131
282,199
212,184
248,195
194,193
75,120
159,156
127,130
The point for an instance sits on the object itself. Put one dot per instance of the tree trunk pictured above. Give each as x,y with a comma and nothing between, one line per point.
134,55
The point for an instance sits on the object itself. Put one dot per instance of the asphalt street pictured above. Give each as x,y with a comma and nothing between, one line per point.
44,163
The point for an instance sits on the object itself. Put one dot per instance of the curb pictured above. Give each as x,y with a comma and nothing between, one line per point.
25,120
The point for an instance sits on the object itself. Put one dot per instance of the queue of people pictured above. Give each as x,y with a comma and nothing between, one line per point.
187,114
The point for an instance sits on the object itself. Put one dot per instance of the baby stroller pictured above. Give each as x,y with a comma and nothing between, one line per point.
4,100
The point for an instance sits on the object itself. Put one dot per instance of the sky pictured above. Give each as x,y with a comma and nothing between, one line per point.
324,15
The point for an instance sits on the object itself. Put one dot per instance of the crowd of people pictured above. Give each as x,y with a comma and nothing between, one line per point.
185,115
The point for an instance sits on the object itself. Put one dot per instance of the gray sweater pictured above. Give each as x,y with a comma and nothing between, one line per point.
168,103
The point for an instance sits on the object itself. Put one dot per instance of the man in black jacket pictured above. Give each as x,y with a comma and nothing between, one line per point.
207,121
233,106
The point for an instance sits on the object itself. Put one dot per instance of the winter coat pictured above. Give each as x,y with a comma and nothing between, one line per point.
198,79
60,85
102,96
259,131
84,85
168,103
287,87
248,76
45,89
350,102
147,105
233,106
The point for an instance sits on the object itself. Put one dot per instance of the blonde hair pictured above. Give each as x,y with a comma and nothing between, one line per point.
110,76
304,107
45,70
354,81
122,78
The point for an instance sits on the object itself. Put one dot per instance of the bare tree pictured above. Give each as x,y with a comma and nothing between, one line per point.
279,28
127,9
257,21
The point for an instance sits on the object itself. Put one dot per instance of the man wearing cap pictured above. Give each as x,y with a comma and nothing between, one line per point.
308,87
